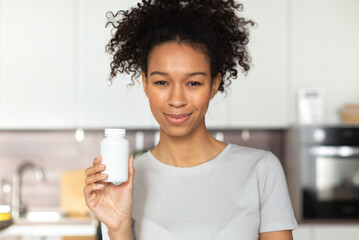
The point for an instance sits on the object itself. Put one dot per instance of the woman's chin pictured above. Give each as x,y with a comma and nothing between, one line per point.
181,130
177,131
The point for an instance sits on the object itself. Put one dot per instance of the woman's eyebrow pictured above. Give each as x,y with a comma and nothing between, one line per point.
159,73
166,74
197,73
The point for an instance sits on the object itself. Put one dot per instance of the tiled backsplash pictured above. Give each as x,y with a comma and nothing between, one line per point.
58,151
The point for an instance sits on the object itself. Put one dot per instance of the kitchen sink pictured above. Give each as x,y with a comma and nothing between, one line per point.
42,216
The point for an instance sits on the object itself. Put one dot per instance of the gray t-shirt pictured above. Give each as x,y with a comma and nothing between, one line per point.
238,194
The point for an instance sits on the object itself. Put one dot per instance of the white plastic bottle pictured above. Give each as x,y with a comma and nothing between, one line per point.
115,153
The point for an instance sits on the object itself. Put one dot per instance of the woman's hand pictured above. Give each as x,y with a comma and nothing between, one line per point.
111,204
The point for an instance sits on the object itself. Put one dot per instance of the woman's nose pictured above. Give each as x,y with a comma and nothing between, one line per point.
177,97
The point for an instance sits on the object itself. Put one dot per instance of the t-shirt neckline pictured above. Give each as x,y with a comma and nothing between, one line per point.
200,167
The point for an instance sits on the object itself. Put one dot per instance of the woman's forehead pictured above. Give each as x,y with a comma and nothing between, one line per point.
175,56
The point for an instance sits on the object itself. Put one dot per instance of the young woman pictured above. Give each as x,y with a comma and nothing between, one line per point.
189,186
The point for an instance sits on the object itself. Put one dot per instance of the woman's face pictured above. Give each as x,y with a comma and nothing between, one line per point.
178,87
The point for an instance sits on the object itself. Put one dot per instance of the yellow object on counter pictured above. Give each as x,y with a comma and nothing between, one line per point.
72,199
5,216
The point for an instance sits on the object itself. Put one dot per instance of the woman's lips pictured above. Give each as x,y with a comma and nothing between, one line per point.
177,118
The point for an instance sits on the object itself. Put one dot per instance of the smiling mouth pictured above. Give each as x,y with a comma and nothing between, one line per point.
177,118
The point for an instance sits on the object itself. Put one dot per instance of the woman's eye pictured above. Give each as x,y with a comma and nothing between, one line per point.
160,83
194,83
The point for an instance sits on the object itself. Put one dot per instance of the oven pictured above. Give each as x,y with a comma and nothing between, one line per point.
329,172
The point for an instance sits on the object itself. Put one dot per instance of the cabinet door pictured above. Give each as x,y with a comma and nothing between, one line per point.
36,64
260,98
326,52
218,112
2,32
99,104
303,233
335,232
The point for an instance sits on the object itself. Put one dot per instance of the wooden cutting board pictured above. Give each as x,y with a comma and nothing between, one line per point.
72,199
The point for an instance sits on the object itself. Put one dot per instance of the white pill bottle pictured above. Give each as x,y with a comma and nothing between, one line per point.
115,153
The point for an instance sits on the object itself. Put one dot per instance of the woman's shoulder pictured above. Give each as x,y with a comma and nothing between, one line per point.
141,160
247,151
253,155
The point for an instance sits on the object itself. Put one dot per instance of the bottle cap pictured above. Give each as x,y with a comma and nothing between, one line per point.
115,132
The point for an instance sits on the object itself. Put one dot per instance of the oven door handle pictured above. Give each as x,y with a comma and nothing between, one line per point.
330,151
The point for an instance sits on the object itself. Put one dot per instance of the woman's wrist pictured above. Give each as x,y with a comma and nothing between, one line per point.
122,232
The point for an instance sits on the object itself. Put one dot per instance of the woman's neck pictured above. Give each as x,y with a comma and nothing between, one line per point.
196,148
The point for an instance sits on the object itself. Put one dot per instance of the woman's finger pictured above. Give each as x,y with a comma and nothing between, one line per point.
95,162
88,189
95,178
95,169
97,159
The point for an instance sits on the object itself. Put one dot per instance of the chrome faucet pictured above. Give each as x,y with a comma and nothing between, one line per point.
17,207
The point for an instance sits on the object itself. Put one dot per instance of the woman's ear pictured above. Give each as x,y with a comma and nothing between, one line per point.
144,83
215,84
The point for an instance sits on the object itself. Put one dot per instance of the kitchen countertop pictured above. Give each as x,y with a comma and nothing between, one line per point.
62,227
61,221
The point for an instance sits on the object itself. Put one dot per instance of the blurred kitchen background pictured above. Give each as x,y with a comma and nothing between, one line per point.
300,100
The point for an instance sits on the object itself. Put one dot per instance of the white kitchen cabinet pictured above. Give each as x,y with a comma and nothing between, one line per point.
99,104
325,53
1,65
259,100
218,112
303,232
37,89
335,232
319,231
53,65
58,77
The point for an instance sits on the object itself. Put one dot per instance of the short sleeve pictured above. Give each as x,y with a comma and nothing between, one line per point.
276,212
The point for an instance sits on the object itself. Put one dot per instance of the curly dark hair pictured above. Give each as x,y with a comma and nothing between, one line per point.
211,25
